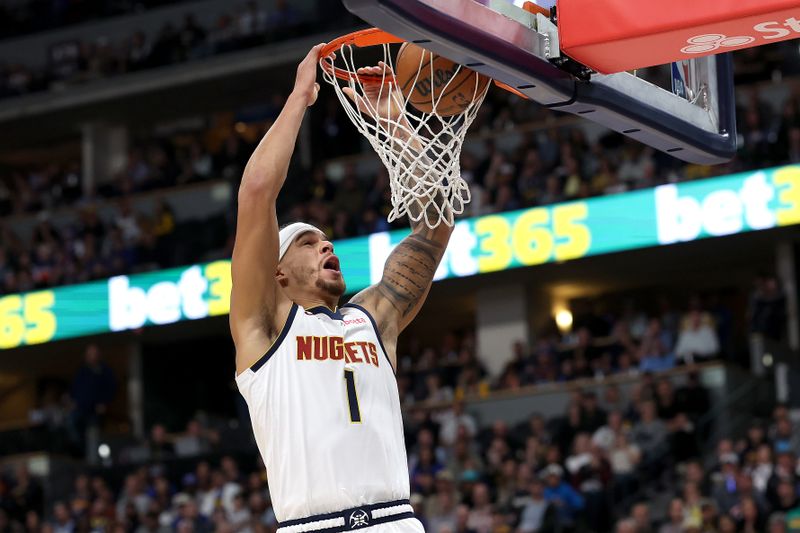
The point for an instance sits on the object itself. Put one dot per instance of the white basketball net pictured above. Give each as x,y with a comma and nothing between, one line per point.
420,150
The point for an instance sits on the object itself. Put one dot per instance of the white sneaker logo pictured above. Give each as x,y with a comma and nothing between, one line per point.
702,44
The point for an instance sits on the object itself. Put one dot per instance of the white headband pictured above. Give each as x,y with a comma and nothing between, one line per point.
288,234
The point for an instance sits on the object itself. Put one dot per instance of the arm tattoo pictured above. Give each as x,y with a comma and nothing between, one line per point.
409,270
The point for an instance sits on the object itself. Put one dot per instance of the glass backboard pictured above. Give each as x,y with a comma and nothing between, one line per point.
520,49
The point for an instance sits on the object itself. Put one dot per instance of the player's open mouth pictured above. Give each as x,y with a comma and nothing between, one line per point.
332,263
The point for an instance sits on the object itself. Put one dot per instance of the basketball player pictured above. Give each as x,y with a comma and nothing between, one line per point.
318,379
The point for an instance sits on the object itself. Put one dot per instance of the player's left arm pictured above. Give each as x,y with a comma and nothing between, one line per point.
408,273
407,276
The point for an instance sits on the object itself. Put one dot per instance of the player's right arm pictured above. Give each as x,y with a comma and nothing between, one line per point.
258,307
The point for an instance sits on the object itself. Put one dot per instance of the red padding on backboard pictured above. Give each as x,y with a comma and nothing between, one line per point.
617,35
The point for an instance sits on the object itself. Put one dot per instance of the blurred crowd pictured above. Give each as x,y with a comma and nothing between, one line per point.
625,455
250,24
95,247
626,459
105,234
608,337
548,164
21,17
79,61
635,459
602,342
152,164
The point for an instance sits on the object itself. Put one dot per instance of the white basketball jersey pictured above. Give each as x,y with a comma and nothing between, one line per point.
326,414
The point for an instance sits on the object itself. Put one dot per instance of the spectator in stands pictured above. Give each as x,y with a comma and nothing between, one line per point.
613,399
127,222
161,495
220,494
133,493
697,340
229,162
197,440
189,518
52,413
793,149
727,489
592,415
778,523
283,15
538,515
25,494
624,457
785,470
655,351
581,456
750,520
627,525
605,436
452,420
767,313
462,517
93,389
425,471
164,232
568,427
536,427
565,499
650,435
435,391
693,398
137,52
786,497
667,406
768,308
191,37
159,447
62,521
784,436
640,513
727,524
675,518
480,514
779,413
441,506
683,440
240,516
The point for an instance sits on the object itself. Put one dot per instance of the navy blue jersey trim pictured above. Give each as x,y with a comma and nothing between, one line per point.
375,327
275,345
336,315
345,513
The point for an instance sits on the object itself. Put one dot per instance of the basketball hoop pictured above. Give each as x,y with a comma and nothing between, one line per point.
421,149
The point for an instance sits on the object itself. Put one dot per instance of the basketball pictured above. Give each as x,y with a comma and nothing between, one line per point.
448,86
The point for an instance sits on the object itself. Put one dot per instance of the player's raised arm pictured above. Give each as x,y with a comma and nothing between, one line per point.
408,272
258,307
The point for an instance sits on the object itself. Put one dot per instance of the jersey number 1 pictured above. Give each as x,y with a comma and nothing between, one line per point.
352,397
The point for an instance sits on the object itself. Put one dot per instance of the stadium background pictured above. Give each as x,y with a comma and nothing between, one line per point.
663,399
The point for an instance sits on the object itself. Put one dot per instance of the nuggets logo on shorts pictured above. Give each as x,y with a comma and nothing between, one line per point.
359,518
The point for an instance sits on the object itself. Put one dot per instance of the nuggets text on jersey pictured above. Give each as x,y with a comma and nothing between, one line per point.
335,349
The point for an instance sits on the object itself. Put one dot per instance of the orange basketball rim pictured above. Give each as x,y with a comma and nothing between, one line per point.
363,39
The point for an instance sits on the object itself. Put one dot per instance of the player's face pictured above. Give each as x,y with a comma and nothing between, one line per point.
310,264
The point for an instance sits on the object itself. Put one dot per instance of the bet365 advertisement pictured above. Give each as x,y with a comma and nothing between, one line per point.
665,215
